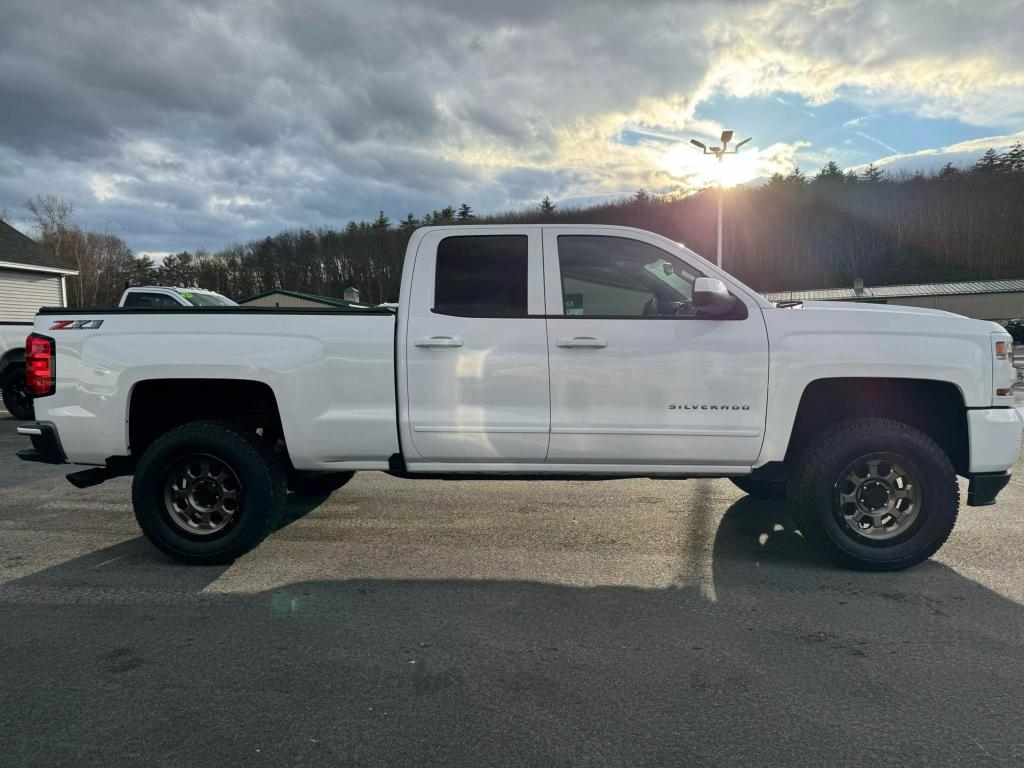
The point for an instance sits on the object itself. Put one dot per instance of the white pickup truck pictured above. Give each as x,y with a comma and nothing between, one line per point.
16,397
535,352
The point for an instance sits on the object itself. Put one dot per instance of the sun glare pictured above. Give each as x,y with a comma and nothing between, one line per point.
683,162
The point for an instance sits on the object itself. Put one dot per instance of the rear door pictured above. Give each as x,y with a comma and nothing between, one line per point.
476,347
637,375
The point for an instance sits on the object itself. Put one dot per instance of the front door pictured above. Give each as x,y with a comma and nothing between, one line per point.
638,376
476,348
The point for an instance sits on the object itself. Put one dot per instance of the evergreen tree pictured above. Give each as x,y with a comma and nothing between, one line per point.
949,171
1012,160
988,163
641,197
796,177
408,224
465,213
830,173
546,206
382,222
872,174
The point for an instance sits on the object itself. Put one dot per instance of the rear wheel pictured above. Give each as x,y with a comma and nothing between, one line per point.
874,494
16,396
208,492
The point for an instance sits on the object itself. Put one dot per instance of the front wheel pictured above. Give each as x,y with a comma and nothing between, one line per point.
16,396
874,494
207,492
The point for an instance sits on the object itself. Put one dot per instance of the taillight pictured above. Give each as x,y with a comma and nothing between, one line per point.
40,365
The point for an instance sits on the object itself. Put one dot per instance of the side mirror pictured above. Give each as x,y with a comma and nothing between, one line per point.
711,298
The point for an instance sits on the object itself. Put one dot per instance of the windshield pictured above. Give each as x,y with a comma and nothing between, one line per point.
207,299
665,271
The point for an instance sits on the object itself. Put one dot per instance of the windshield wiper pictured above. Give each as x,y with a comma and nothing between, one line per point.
789,304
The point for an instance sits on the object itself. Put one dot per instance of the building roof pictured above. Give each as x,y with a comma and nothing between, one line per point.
901,291
307,296
22,251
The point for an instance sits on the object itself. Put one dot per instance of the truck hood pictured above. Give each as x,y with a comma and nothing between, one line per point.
875,315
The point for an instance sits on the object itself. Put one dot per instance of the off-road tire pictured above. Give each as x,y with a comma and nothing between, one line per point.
761,488
317,483
812,487
260,475
14,392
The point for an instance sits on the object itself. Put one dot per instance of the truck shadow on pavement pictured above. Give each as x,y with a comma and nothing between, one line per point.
789,662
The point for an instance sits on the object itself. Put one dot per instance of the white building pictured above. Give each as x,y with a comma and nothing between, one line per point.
30,277
998,300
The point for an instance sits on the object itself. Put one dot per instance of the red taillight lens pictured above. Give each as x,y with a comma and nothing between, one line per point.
40,365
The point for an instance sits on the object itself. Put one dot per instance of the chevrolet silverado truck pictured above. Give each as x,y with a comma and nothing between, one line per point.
17,398
535,352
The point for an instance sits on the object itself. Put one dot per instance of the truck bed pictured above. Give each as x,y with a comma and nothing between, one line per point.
331,371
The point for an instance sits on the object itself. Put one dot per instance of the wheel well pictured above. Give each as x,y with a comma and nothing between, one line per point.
934,407
160,405
12,361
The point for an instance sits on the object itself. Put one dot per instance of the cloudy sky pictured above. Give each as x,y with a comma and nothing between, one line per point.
187,125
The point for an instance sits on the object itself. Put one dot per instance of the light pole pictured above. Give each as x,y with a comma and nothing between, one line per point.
720,153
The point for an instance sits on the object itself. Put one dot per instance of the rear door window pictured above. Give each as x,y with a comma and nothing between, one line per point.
482,276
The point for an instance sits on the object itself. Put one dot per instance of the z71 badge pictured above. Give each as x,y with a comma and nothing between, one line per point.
76,325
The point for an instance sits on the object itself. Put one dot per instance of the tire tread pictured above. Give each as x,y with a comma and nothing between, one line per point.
803,505
258,452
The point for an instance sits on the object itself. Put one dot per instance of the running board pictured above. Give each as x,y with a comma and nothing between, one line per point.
116,467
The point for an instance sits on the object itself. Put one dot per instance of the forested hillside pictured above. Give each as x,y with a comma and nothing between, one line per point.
794,232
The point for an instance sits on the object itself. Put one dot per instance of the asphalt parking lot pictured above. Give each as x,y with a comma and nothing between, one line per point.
632,622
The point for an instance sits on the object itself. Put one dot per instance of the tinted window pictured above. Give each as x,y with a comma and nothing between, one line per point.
150,300
619,277
481,276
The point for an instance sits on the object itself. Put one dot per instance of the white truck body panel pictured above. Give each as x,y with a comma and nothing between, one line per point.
333,381
823,340
545,392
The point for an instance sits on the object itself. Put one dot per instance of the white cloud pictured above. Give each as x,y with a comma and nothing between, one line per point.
963,152
186,125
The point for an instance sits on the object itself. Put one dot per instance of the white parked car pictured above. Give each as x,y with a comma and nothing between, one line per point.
156,296
535,352
15,394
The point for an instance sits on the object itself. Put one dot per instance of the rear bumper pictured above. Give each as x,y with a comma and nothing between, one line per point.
46,448
984,487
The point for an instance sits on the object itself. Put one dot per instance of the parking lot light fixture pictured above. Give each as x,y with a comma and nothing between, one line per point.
720,153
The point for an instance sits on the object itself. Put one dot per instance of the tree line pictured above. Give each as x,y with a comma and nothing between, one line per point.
796,231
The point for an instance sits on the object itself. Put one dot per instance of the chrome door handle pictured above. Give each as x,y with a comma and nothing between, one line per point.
587,342
438,341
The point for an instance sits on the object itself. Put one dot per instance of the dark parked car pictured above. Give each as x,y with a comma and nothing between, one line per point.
1015,328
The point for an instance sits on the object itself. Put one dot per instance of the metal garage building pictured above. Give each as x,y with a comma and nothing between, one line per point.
30,277
983,299
283,298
